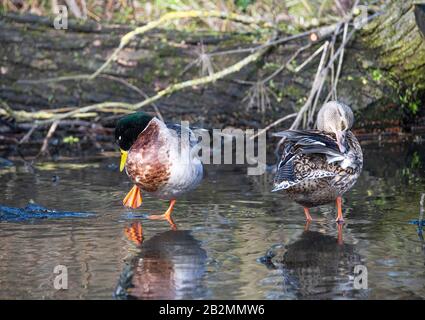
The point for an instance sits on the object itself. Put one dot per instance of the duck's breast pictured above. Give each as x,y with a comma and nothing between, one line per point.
148,161
161,162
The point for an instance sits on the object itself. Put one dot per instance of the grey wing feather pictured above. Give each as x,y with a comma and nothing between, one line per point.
182,130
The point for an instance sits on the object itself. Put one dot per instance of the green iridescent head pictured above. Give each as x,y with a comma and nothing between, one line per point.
129,127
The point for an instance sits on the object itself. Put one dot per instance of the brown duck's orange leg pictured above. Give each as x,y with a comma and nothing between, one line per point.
134,233
339,218
307,225
166,215
307,214
340,238
133,199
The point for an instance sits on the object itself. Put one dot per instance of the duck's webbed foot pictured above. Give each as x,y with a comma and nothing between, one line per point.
166,215
133,199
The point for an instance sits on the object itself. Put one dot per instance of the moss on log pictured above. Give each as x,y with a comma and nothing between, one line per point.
399,46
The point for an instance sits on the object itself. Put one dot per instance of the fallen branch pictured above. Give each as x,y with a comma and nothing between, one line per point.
47,117
150,26
106,106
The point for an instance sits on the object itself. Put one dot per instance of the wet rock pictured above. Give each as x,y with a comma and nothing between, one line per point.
5,163
35,211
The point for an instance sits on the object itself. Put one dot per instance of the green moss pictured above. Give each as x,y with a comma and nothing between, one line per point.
71,140
294,92
377,75
409,100
400,47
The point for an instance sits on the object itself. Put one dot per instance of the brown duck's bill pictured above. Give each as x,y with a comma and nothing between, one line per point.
133,199
340,141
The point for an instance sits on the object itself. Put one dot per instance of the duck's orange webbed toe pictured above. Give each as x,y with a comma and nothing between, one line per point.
166,215
133,199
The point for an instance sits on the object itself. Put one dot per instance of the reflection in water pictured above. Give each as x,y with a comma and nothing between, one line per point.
235,217
170,265
319,266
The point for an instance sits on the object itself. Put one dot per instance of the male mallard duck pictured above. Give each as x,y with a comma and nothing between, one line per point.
319,166
159,158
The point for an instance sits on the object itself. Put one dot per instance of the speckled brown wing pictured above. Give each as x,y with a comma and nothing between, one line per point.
307,155
313,171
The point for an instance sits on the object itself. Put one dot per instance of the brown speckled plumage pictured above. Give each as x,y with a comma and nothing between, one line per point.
315,192
148,160
313,170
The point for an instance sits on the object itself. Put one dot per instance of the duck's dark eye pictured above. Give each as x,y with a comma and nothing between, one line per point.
342,125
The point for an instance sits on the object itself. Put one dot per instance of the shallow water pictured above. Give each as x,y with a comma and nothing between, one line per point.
224,231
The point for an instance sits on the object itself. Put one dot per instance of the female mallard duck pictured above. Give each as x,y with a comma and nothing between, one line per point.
159,158
319,166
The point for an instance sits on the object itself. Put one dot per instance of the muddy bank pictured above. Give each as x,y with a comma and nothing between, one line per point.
32,49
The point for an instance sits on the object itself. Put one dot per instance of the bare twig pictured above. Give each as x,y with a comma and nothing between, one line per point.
309,59
47,138
319,78
28,135
341,59
288,63
273,124
259,93
136,89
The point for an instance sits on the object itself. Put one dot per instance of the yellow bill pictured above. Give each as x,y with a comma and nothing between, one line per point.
123,159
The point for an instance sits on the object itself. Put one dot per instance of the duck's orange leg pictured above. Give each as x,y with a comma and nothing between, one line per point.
134,233
307,214
133,199
307,225
340,238
166,215
339,218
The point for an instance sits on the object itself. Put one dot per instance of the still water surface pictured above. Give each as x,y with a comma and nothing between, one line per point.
224,231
